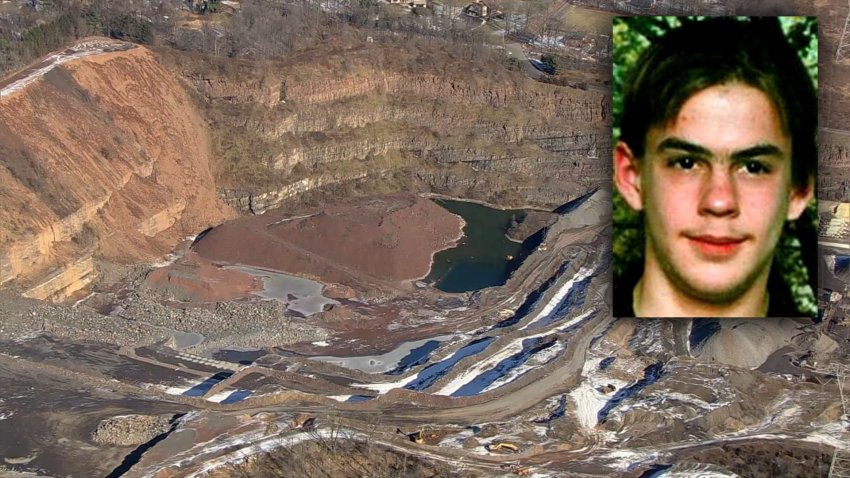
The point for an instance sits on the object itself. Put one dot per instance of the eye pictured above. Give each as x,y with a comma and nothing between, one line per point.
683,162
755,167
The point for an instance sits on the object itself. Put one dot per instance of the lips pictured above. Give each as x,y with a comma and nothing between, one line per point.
717,247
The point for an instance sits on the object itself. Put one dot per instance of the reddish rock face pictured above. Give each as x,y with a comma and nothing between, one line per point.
97,148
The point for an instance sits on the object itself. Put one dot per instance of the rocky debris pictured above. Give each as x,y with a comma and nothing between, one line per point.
141,319
20,318
245,324
129,430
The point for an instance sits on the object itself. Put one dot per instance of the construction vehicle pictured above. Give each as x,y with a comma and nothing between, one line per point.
503,447
417,437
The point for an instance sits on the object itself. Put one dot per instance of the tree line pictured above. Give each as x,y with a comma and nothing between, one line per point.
257,29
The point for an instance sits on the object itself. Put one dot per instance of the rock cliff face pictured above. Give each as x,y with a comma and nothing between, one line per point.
414,120
103,158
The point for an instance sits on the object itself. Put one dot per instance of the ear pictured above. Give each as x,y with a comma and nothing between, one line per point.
799,198
627,175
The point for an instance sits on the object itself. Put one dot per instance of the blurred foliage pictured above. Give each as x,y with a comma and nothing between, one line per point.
796,256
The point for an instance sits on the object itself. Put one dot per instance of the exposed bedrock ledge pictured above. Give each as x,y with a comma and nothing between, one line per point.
123,161
385,113
64,282
258,202
291,83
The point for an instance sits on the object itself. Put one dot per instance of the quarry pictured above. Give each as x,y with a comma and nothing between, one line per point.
231,264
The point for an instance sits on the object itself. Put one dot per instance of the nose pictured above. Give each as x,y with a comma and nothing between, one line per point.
719,195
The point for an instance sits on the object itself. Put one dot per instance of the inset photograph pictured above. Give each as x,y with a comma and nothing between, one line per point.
715,166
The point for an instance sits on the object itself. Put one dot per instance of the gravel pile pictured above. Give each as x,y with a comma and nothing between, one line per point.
128,430
21,317
246,324
143,320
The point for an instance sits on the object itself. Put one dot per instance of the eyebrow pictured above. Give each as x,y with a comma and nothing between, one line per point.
765,149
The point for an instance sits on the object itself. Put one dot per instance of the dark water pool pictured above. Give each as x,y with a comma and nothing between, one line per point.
530,347
485,257
533,299
433,372
701,330
205,386
417,356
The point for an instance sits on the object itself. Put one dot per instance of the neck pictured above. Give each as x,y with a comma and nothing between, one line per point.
655,295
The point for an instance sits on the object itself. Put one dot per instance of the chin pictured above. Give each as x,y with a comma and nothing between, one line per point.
718,290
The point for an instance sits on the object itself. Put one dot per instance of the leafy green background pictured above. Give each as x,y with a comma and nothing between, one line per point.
796,257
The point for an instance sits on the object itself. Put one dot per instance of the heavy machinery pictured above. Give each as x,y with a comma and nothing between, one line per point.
502,447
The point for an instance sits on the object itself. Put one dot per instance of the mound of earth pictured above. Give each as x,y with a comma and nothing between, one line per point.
761,459
194,279
390,238
339,458
128,430
748,342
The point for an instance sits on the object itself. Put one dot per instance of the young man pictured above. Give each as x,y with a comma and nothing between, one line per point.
717,150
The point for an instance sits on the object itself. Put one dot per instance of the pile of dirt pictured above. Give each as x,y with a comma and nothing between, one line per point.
764,459
196,280
390,238
748,343
128,430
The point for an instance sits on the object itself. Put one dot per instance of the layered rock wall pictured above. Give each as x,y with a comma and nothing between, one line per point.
411,120
104,157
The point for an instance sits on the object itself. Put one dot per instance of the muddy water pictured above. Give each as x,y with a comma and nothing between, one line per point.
301,295
485,257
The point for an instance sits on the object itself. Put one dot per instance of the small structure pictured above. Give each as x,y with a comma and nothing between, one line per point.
477,9
410,3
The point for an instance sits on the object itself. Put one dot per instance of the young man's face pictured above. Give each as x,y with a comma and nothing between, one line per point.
715,185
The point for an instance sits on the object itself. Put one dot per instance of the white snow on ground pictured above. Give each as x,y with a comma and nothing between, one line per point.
219,397
176,390
5,415
172,257
187,385
456,440
623,460
340,398
832,434
321,343
26,337
587,399
385,387
77,303
514,347
668,402
287,219
582,274
537,360
55,60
